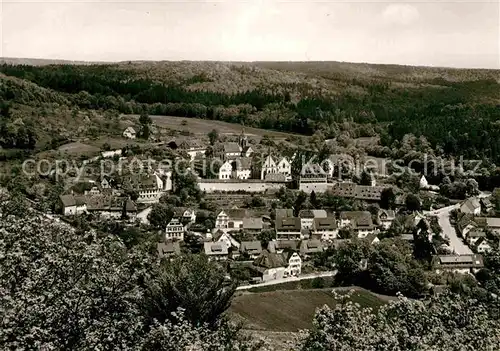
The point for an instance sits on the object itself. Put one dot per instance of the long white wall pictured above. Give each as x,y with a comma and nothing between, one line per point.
251,187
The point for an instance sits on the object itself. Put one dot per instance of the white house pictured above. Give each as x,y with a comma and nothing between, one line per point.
288,228
386,217
241,168
360,221
227,239
326,227
471,206
217,251
72,205
285,168
306,219
226,170
149,187
186,215
294,267
231,219
482,245
458,263
270,266
474,235
268,167
129,133
424,184
175,230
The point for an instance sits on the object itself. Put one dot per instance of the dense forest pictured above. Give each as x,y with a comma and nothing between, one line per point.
457,117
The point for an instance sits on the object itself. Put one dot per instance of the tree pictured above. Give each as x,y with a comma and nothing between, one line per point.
82,291
160,215
144,119
299,202
314,200
412,203
72,292
458,323
388,199
194,284
266,236
366,178
213,136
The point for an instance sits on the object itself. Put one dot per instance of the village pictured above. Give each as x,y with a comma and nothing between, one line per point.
246,229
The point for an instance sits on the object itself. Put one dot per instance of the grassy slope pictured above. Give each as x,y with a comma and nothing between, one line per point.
289,310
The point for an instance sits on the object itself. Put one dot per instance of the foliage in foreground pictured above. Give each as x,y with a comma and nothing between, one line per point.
60,289
447,322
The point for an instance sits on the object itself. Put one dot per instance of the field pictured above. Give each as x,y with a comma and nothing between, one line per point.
290,310
204,126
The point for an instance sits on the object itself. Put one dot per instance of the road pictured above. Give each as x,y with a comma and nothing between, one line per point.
290,279
456,243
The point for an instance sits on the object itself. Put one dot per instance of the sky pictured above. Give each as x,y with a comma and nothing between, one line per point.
430,33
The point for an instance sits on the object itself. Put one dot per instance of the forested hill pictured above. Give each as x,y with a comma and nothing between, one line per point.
458,111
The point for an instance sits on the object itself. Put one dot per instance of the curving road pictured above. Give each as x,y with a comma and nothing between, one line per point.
449,232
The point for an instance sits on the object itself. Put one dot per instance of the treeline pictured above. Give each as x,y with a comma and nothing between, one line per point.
458,117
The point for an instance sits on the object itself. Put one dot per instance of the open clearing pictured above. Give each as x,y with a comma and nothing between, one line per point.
204,126
290,310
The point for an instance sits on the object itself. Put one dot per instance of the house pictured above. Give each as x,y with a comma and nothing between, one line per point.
306,219
288,228
372,239
105,183
482,245
93,191
241,168
246,149
283,213
386,217
149,187
253,225
310,247
217,251
230,219
326,227
458,263
193,148
143,215
168,249
368,193
345,189
465,224
407,237
261,168
490,223
474,235
129,133
294,267
252,248
226,170
72,205
360,221
175,230
285,168
280,246
471,206
270,266
106,207
424,184
186,215
486,204
227,239
313,178
227,151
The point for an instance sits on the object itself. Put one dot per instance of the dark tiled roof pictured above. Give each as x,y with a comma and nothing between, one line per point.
269,260
289,223
168,248
310,246
237,213
306,214
328,223
252,247
215,248
282,245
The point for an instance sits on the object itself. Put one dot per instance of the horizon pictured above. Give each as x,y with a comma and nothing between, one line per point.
77,62
438,34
